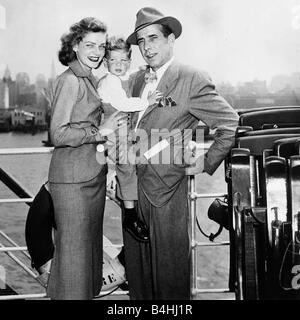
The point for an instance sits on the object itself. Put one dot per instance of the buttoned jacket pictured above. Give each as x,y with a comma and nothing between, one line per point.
195,99
75,118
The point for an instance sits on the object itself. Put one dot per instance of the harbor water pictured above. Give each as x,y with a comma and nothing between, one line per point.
32,170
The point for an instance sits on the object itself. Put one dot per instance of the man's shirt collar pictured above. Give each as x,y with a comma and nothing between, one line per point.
162,69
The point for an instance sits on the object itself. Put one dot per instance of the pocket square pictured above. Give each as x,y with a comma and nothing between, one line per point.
167,102
171,102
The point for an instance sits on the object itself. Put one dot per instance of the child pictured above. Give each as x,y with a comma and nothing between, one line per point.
111,89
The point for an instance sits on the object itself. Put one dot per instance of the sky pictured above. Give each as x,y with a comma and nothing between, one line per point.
233,40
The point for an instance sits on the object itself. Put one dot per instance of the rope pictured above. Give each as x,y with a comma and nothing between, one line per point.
212,236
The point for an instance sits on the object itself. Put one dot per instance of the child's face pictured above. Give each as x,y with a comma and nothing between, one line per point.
118,62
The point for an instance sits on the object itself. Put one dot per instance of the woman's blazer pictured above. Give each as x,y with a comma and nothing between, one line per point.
75,118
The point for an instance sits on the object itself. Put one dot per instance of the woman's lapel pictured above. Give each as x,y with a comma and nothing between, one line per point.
91,83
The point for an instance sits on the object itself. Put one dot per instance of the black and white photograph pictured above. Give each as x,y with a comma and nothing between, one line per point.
150,151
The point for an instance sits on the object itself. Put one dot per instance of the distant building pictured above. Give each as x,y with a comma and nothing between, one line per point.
53,70
285,82
8,94
52,75
22,81
40,88
253,88
7,75
27,96
284,90
287,100
265,101
26,116
40,82
244,102
5,119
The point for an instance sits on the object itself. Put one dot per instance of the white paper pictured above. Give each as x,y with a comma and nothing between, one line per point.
156,149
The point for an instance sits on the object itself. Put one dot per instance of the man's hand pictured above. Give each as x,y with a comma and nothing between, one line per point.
194,157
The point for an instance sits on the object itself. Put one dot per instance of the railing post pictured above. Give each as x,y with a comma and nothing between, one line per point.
237,219
193,260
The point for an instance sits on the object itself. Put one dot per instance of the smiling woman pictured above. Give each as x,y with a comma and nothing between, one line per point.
77,181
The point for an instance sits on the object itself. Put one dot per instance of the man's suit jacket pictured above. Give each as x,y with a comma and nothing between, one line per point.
196,99
76,115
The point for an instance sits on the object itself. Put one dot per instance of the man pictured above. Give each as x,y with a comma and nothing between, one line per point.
160,269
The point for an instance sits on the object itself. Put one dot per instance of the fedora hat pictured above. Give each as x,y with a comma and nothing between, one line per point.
147,16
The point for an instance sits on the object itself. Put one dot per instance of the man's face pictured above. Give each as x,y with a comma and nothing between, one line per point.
155,48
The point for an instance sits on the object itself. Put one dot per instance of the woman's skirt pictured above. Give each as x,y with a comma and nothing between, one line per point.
76,269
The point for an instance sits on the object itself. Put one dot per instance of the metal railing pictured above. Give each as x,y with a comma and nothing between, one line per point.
27,198
15,186
193,196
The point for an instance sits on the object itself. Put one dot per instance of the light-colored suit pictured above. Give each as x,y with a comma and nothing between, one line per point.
160,269
77,186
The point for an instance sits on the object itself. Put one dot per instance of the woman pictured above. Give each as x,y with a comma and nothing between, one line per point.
77,180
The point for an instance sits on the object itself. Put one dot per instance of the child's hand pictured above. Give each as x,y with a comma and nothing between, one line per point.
154,97
116,121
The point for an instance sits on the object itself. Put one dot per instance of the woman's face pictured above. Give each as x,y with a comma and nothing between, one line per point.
91,49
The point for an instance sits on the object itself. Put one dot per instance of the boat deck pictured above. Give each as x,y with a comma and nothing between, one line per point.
213,263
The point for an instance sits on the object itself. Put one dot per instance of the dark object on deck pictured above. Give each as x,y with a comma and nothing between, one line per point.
47,143
271,118
263,200
38,229
218,212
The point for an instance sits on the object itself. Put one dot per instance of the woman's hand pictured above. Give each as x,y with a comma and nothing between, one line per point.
117,120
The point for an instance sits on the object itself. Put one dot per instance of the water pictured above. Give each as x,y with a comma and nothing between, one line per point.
32,170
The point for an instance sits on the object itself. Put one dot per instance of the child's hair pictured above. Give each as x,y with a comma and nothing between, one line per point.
117,43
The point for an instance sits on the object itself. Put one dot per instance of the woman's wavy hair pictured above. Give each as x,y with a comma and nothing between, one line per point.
76,33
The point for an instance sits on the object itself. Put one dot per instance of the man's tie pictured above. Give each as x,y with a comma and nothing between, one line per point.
150,77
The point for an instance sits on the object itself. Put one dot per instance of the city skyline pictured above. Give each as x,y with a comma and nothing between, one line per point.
284,90
234,41
276,83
